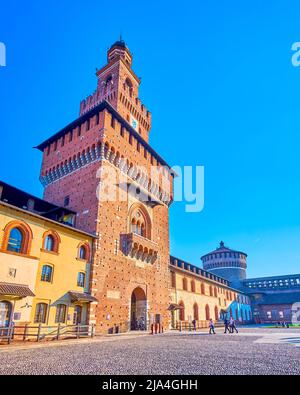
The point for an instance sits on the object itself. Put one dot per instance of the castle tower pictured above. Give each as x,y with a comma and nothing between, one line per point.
119,85
226,263
102,167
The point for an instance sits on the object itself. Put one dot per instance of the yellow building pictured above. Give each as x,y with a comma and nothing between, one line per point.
44,262
199,295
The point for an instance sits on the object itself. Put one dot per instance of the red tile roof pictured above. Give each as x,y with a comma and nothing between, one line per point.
15,290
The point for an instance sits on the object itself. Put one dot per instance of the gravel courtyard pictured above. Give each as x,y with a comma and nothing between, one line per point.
252,351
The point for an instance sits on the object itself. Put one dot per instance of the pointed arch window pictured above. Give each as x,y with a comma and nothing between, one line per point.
207,312
216,313
140,222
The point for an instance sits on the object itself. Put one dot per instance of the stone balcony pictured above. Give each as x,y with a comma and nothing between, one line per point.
140,248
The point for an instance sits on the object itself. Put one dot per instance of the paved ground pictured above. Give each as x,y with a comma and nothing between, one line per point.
252,351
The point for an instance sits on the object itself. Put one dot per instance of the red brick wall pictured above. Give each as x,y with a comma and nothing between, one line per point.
114,276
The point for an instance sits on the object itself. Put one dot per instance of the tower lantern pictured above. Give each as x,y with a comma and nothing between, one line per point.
119,85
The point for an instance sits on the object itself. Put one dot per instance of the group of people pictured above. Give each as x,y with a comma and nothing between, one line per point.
282,324
229,326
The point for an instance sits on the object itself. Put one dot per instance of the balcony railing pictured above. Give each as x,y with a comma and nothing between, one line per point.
140,247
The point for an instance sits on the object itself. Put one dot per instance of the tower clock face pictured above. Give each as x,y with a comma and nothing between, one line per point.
134,123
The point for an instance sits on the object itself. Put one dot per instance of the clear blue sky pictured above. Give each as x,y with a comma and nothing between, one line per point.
219,81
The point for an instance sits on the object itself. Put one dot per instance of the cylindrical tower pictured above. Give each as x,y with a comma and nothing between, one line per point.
226,263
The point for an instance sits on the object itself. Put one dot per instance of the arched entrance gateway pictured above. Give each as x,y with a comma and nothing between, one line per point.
138,312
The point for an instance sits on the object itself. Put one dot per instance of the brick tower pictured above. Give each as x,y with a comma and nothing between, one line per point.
102,167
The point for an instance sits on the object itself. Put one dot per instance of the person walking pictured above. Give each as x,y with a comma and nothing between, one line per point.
211,327
226,325
232,326
194,322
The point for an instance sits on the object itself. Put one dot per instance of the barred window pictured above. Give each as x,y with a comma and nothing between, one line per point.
60,317
41,313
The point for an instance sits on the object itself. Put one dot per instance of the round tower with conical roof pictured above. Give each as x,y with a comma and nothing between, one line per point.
226,263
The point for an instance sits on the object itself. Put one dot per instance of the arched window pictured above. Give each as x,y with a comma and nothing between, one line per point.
128,86
17,238
133,226
139,221
203,289
60,317
211,291
15,241
184,284
193,286
47,273
81,280
207,313
216,292
84,252
40,316
196,312
181,311
51,241
108,83
139,228
143,230
216,313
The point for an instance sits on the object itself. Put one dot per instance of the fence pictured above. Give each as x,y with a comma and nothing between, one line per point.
41,332
186,325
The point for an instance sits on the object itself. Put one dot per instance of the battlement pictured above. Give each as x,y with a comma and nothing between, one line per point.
119,86
271,283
